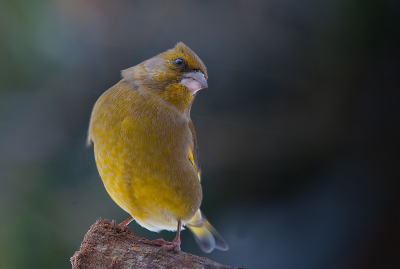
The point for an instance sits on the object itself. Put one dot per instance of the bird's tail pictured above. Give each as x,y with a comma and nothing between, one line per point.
206,236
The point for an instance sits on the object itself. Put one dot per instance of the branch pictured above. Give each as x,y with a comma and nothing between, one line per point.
103,247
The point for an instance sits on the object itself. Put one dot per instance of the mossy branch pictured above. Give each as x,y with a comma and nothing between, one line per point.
103,247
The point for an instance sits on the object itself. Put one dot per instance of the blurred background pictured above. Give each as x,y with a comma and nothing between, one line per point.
298,130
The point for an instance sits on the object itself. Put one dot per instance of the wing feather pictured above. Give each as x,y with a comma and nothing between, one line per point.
194,152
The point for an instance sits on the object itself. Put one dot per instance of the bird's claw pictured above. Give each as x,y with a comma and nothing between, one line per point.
106,221
175,245
115,226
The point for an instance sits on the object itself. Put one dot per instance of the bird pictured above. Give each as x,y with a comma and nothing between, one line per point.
146,150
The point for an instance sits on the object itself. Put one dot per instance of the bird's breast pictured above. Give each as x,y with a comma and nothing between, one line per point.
143,159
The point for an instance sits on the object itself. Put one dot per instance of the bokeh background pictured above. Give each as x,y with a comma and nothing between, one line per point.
298,130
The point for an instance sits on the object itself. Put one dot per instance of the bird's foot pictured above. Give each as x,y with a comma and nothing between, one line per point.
119,227
175,245
106,222
116,227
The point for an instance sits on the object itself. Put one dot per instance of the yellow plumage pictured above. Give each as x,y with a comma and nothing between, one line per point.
145,145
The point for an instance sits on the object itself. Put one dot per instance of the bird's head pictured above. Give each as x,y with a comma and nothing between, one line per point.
176,74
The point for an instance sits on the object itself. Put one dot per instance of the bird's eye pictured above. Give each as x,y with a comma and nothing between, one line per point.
178,62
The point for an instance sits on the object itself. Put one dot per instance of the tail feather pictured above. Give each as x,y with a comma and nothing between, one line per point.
205,234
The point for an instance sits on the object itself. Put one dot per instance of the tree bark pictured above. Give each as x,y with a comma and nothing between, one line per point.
104,247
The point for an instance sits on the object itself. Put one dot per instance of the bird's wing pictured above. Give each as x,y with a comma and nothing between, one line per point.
194,152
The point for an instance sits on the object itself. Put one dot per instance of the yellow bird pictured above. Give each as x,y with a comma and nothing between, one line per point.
146,150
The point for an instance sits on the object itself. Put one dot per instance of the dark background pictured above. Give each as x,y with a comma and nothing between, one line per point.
298,130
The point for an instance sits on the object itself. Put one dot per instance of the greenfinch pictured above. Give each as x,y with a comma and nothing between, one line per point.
146,150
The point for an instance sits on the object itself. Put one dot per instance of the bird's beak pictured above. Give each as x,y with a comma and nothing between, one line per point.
194,81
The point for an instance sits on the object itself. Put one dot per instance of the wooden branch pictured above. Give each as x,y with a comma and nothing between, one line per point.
103,247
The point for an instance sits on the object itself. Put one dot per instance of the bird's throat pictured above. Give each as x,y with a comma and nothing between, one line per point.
178,96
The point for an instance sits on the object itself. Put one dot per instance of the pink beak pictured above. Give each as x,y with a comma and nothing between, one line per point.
194,81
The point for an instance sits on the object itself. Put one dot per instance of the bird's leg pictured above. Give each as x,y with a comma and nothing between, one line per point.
126,222
175,245
123,226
